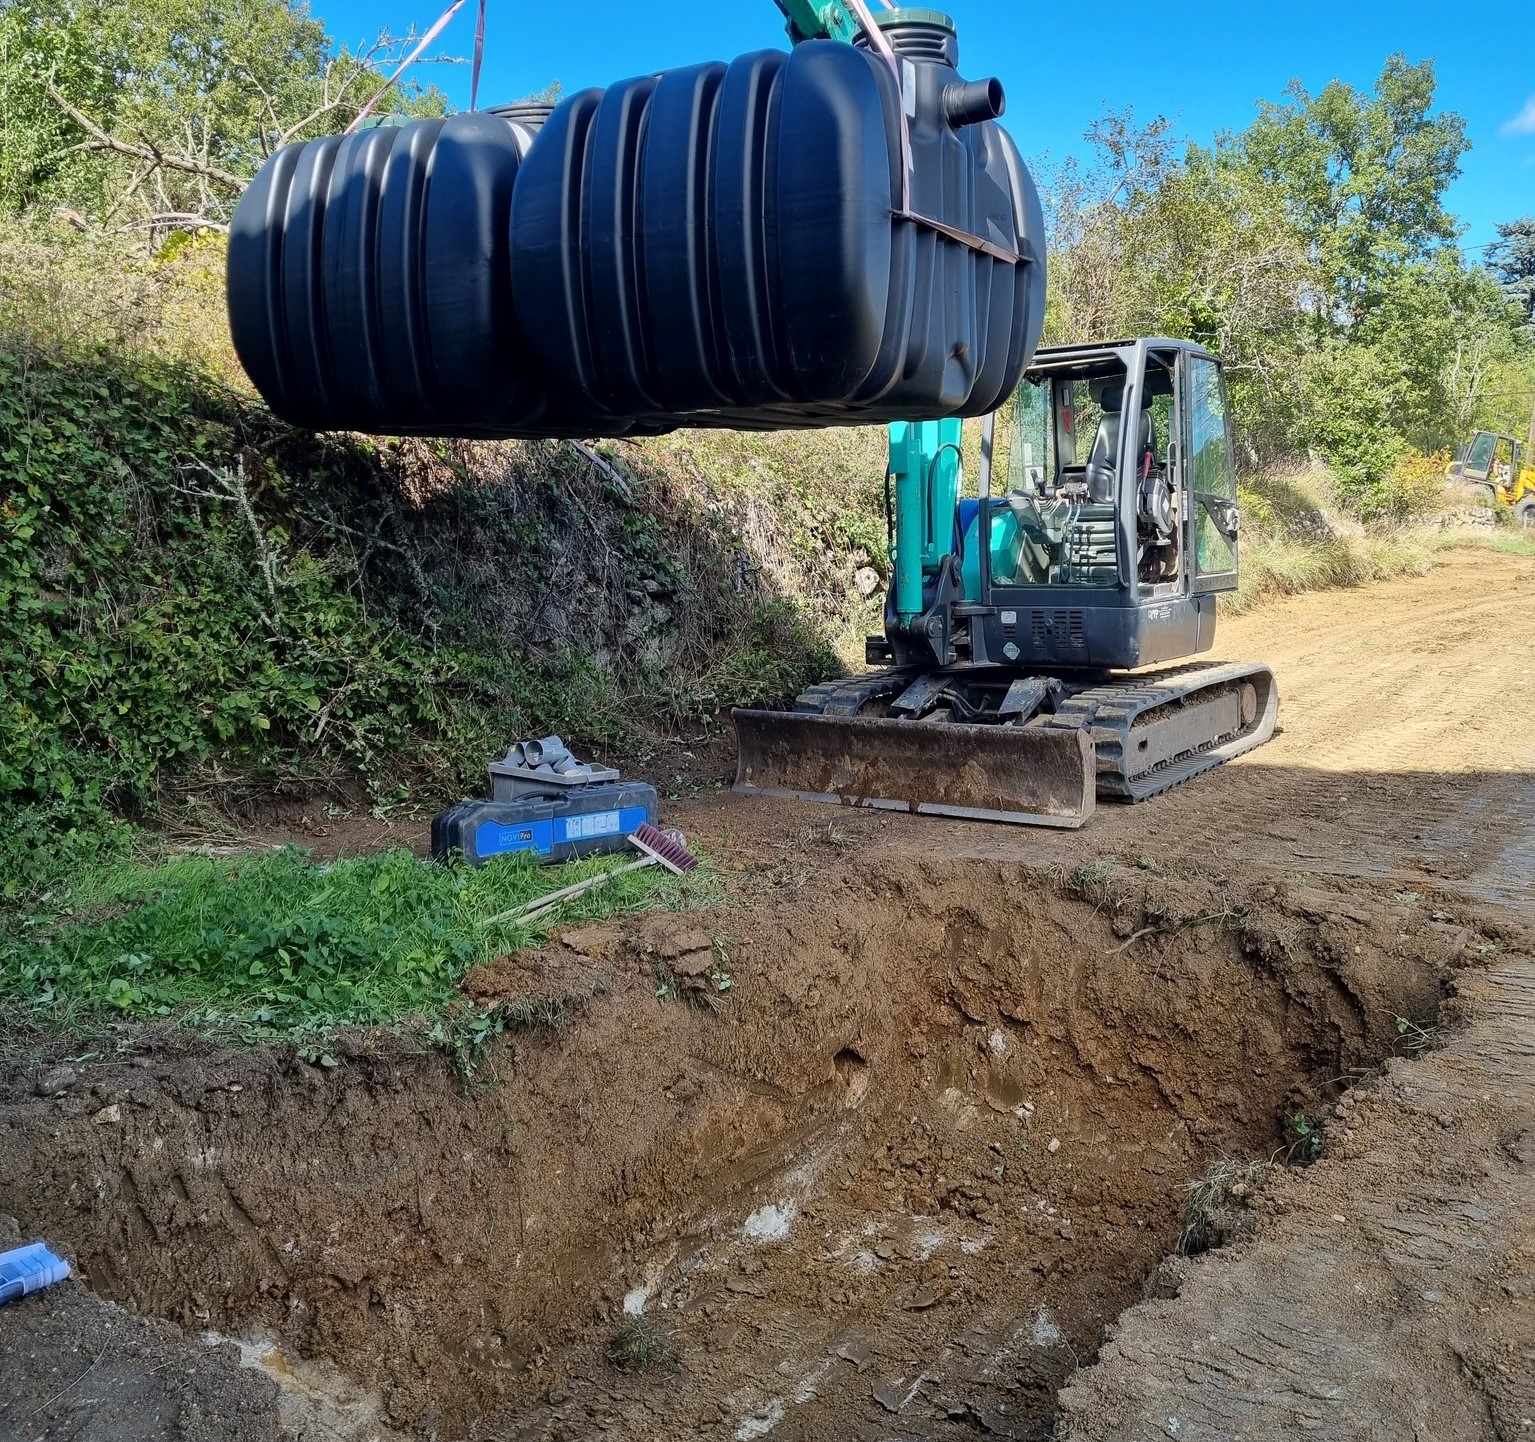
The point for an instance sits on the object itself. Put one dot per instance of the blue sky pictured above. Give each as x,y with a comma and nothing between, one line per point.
1203,65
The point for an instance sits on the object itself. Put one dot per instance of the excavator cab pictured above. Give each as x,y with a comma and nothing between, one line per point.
1497,467
1487,461
1116,527
1056,522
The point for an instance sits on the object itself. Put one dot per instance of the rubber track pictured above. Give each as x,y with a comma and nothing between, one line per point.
1110,712
847,696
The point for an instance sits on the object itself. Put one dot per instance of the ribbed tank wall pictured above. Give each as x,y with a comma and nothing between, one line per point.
369,281
717,245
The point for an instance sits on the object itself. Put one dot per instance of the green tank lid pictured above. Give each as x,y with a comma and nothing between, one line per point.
918,34
915,15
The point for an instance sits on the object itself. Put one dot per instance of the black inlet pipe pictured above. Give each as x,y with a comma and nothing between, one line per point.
971,102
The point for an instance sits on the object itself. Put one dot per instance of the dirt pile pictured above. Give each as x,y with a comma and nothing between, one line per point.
932,1131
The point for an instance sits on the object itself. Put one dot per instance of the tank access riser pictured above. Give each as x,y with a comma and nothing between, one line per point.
1124,739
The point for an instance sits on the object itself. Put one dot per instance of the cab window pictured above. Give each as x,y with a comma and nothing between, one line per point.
1212,474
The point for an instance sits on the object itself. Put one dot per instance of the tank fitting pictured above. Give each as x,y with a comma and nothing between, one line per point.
971,102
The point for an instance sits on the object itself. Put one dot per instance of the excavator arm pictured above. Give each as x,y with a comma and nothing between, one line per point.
810,21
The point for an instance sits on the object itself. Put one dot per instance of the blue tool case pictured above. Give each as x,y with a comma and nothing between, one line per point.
578,821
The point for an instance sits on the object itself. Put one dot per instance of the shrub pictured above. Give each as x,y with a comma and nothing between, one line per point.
194,594
155,612
1415,487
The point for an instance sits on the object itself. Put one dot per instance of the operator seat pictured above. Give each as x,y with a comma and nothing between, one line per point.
1102,458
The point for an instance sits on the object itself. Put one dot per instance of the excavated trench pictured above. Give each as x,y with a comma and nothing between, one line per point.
895,1178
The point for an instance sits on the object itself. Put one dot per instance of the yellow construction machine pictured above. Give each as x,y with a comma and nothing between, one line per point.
1497,467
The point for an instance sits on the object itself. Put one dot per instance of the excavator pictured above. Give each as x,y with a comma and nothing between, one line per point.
1012,679
1009,684
1497,467
1037,634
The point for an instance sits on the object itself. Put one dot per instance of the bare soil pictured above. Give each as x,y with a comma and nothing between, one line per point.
901,1139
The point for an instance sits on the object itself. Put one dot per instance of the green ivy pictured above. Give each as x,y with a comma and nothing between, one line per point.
170,602
193,593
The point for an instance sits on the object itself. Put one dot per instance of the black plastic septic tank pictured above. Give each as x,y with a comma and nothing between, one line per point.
794,239
725,244
714,237
966,171
369,281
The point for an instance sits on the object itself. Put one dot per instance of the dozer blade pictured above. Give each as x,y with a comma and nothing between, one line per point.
1032,776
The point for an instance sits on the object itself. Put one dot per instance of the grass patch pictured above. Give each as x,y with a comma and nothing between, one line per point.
1274,566
1508,543
276,946
1277,566
1414,1037
1096,882
636,1346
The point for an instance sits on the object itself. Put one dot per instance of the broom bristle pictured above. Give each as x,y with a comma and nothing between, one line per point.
668,847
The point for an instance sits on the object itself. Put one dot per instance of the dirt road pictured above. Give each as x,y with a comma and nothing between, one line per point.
1406,750
887,1143
1408,744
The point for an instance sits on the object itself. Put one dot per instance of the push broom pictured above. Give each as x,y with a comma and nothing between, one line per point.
660,848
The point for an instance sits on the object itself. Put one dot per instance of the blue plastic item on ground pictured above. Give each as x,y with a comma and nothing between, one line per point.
547,805
583,821
29,1269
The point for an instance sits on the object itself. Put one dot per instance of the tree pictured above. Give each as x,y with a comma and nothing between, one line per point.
1439,329
34,134
1213,257
1511,258
1144,242
1362,175
1347,419
174,103
1314,254
1087,207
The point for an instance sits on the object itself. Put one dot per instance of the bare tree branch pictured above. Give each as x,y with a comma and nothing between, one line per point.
619,480
361,68
327,106
139,177
431,34
232,486
178,218
143,149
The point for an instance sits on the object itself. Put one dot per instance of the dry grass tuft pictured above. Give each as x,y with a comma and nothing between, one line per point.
1217,1205
1298,538
637,1346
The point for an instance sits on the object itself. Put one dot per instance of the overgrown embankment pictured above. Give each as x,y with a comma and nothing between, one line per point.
201,604
1299,536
